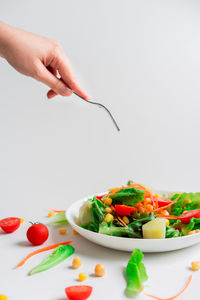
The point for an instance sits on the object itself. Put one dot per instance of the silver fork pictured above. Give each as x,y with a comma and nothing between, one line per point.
101,106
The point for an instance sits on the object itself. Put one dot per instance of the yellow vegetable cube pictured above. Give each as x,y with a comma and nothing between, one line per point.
154,229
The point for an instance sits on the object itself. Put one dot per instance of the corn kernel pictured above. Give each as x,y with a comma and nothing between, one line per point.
3,297
51,213
62,230
157,196
167,222
99,270
195,265
191,232
108,218
75,232
148,200
165,212
188,201
76,263
107,201
82,276
22,220
149,207
108,210
126,220
184,211
197,231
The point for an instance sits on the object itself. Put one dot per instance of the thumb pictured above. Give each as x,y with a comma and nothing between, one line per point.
56,84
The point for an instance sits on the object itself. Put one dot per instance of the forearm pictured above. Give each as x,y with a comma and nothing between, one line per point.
5,35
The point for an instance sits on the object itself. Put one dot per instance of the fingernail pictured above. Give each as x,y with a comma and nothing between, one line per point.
66,91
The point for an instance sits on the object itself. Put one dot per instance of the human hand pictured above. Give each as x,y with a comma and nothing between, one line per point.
41,58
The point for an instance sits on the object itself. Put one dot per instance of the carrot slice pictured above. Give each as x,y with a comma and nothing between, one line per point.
21,263
167,217
175,296
120,219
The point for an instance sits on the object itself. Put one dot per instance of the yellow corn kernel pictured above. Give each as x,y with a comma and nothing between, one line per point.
51,213
149,207
107,201
108,218
99,270
113,190
184,211
195,265
167,222
82,276
3,297
157,196
22,220
126,220
62,230
75,232
76,263
188,201
165,212
148,200
108,210
197,231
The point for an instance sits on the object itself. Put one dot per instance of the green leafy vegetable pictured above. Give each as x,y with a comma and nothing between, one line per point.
111,229
61,253
135,274
171,232
187,201
129,196
58,219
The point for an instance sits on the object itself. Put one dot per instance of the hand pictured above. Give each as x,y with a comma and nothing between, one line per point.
41,58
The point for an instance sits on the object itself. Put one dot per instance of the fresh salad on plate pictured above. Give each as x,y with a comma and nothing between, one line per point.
135,211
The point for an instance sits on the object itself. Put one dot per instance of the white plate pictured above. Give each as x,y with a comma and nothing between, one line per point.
128,244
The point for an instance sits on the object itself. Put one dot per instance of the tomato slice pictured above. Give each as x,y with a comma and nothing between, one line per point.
162,202
78,292
10,224
124,210
188,215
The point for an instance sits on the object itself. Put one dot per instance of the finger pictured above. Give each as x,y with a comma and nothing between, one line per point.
53,71
51,94
68,77
57,85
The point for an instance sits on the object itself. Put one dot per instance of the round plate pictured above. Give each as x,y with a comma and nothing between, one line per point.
128,244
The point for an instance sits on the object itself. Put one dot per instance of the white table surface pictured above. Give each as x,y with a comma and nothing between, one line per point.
167,272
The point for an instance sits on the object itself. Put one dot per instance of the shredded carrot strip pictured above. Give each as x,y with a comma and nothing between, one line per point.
56,211
168,205
112,207
21,263
118,217
173,297
167,217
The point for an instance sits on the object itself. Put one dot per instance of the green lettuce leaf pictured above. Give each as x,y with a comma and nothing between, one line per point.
129,196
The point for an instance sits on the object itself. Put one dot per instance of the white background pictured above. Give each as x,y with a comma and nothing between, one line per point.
139,58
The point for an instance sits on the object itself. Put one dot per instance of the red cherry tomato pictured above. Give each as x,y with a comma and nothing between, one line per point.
37,234
188,215
78,292
10,224
124,210
162,202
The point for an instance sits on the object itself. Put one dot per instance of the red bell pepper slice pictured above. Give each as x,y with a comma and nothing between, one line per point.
188,215
100,197
124,210
163,202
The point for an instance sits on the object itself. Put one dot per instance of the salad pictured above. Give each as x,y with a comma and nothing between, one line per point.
134,211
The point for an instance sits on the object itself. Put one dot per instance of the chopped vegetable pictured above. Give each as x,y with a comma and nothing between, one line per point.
128,196
51,214
58,219
175,296
78,292
50,247
154,229
110,229
10,225
3,297
62,230
163,202
124,210
187,216
76,263
135,274
195,265
75,232
60,253
108,218
37,234
99,270
82,276
107,201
